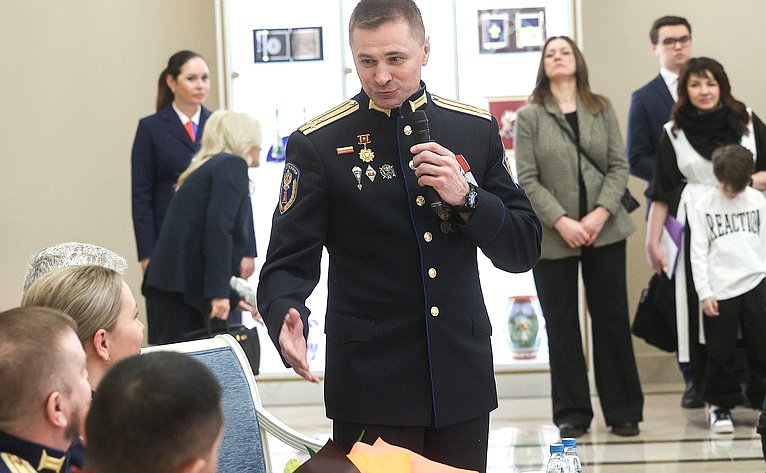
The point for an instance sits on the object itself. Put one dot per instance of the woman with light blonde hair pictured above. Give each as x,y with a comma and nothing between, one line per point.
204,236
101,303
230,132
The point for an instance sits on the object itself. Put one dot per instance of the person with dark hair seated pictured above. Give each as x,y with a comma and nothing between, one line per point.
159,412
44,389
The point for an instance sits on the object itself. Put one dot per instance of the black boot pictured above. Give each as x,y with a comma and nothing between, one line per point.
692,399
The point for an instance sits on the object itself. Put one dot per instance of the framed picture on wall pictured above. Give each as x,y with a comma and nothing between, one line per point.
272,45
504,110
306,44
511,30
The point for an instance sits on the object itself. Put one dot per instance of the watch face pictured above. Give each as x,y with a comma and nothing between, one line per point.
471,199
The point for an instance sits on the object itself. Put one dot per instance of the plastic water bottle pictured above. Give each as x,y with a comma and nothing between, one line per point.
570,455
556,463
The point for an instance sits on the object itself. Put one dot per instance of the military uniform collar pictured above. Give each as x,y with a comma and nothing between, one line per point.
41,458
416,101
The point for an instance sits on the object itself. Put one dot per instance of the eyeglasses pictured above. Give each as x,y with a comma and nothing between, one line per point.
671,42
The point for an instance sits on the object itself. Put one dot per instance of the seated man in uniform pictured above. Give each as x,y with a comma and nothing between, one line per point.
159,412
44,390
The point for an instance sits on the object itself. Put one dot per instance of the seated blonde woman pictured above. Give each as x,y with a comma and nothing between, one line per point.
103,306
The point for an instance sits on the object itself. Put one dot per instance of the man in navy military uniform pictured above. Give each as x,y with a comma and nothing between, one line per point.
44,390
408,335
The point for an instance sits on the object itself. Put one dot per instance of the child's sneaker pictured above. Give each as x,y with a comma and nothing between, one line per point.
720,420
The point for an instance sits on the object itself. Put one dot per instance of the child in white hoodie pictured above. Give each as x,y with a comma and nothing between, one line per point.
728,256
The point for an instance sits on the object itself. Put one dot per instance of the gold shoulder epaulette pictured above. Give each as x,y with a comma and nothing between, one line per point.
461,107
16,464
336,113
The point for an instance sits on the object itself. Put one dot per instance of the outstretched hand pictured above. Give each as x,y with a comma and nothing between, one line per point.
292,343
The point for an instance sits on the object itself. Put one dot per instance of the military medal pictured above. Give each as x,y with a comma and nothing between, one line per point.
370,172
344,150
366,155
358,175
444,213
387,171
446,226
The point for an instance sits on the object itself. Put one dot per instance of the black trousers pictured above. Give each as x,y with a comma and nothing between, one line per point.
619,389
169,316
462,445
721,385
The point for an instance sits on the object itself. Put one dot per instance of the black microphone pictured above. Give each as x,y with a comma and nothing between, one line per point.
421,134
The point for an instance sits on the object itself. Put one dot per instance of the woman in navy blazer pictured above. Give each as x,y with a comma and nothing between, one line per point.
163,148
204,239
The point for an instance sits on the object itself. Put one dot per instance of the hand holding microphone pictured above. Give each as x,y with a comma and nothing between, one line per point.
436,167
422,134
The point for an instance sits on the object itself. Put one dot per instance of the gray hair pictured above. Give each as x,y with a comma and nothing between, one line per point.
70,254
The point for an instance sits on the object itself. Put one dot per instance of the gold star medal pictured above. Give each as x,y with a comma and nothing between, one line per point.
366,155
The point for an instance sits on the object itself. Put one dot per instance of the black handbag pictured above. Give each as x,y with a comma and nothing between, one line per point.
655,320
247,338
627,200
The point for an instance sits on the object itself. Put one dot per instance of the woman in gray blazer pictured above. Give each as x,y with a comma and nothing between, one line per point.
577,199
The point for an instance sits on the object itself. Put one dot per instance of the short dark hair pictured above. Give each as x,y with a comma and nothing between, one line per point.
668,20
155,412
370,14
30,358
733,166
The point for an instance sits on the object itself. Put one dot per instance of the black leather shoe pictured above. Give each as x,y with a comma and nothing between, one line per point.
567,430
626,429
692,398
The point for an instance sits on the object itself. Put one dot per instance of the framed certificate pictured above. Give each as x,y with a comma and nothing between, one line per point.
272,45
306,44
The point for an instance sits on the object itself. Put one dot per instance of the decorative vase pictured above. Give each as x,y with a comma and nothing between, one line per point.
523,327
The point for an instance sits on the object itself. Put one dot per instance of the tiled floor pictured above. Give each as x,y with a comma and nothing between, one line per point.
671,440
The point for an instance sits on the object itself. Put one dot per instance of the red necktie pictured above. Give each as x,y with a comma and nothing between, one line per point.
190,130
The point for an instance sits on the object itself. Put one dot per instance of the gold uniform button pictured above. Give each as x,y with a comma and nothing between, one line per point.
434,311
420,200
432,273
427,236
412,165
407,130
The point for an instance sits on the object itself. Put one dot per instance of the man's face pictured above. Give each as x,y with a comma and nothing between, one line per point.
76,388
674,47
388,61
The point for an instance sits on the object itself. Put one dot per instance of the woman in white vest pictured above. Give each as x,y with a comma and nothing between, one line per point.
705,117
